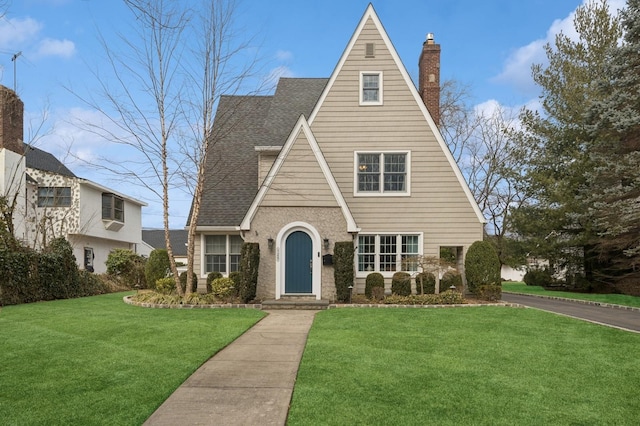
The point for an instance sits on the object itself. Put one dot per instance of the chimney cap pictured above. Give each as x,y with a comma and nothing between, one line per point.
430,38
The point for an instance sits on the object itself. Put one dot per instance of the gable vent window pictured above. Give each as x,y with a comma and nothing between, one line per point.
112,207
371,88
370,51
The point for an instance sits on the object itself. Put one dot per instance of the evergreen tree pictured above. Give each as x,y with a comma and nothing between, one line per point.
613,191
556,141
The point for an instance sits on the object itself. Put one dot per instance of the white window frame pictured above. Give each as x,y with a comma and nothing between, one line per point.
381,192
227,253
380,88
377,235
54,196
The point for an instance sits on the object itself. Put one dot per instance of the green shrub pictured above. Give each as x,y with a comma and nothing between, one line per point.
482,265
401,284
446,298
127,266
183,282
157,266
490,292
165,285
249,263
539,277
223,288
377,293
343,269
91,284
212,276
451,278
425,283
236,277
374,279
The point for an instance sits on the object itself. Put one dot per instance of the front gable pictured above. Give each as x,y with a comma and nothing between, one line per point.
300,177
395,119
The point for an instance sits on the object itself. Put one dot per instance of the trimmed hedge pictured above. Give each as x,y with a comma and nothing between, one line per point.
343,269
374,279
401,284
445,298
490,292
482,265
249,263
183,282
539,277
29,276
212,276
451,278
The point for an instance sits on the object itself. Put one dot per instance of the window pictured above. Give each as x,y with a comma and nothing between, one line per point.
388,253
382,173
54,197
112,207
371,88
222,253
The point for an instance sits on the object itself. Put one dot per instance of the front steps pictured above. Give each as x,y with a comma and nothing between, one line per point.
296,302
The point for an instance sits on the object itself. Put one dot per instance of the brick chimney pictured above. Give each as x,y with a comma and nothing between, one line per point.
429,77
11,121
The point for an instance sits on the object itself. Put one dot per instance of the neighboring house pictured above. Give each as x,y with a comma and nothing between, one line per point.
51,201
154,239
355,157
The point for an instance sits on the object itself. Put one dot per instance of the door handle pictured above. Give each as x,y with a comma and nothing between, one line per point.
311,266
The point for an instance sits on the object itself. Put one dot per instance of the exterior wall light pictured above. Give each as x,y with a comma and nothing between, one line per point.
270,243
326,243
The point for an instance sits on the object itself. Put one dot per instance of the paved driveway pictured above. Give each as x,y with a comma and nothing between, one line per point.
626,319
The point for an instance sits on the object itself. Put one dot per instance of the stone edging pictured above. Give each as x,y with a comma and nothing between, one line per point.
455,305
584,302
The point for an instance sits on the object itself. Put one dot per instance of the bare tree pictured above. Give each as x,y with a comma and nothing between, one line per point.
180,63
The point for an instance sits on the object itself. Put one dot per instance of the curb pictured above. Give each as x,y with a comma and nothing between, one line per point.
583,302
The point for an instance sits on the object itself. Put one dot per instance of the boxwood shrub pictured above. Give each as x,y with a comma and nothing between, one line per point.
374,279
482,265
401,284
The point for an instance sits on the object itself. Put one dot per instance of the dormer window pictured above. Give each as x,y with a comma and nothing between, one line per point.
371,88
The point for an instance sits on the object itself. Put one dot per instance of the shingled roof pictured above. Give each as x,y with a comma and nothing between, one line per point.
41,160
241,124
178,237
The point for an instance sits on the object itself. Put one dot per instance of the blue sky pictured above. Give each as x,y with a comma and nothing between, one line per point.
489,45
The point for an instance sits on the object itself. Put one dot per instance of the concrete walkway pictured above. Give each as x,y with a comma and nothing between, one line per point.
250,382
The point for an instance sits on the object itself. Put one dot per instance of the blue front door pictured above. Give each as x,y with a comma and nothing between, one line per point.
298,263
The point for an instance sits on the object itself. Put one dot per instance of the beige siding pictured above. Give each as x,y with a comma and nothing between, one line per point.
300,181
437,205
265,161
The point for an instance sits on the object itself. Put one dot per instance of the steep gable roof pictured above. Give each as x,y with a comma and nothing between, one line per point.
301,129
41,160
370,16
242,123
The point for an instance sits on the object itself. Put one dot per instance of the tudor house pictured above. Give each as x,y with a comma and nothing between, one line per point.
355,157
51,201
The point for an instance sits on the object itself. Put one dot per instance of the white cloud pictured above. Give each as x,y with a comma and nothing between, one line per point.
16,32
62,48
284,55
517,67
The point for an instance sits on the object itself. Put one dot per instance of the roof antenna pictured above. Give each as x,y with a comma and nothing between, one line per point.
14,60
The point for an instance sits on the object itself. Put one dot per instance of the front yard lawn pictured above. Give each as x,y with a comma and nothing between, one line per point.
614,299
481,366
96,360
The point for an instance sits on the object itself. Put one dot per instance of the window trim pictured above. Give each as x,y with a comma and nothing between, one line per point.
382,192
112,215
380,75
227,254
376,253
56,196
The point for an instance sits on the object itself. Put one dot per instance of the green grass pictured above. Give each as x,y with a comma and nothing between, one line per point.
96,360
465,366
615,299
